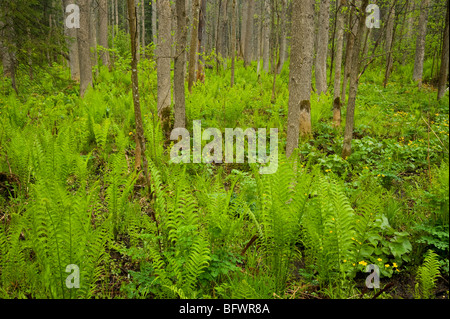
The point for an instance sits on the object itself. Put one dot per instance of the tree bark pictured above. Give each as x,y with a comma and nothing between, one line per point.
233,41
353,26
84,54
322,47
389,43
163,54
420,42
103,31
283,34
194,45
266,36
72,45
248,52
180,65
443,73
302,50
154,23
338,60
244,19
349,124
93,32
201,40
140,140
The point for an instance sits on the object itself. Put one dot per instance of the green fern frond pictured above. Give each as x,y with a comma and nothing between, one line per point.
427,275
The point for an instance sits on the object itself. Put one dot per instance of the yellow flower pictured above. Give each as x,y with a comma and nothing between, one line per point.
394,265
379,259
345,260
131,133
331,231
387,265
362,262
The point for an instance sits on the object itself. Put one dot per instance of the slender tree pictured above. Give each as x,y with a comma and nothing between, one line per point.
248,53
322,47
180,65
72,44
163,55
103,31
443,73
341,7
302,50
84,53
233,41
194,45
355,66
389,43
420,42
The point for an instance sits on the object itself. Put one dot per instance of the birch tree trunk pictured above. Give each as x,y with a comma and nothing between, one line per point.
302,50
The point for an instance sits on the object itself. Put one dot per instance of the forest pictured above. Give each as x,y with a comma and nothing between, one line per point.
224,149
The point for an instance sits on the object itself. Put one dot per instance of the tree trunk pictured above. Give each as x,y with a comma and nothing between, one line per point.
72,45
244,19
443,73
140,140
84,53
154,24
389,43
322,47
194,45
201,39
420,42
180,64
103,31
409,29
338,60
233,41
349,124
266,36
248,52
283,34
93,32
352,25
302,51
163,54
143,42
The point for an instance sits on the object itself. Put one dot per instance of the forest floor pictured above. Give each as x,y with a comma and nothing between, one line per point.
62,151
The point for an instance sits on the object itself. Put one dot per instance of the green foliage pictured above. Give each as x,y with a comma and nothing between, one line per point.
427,275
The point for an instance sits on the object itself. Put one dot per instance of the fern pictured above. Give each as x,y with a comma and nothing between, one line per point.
329,229
427,275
